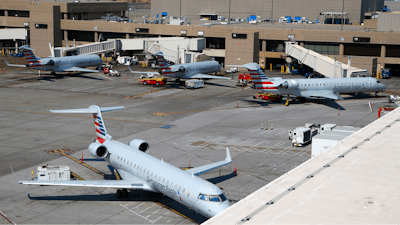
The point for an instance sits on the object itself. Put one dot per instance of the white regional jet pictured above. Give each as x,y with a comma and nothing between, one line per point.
60,64
197,70
330,88
141,171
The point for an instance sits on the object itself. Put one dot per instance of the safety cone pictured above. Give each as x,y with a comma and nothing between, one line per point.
82,158
235,171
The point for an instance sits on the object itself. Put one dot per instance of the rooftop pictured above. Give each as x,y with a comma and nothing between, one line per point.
355,181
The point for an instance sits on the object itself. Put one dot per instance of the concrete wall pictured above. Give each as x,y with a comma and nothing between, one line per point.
393,5
310,9
388,22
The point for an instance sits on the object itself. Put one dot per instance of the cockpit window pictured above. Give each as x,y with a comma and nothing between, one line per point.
214,198
222,197
203,197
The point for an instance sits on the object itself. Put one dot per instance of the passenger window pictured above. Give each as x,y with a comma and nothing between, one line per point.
176,186
144,171
163,180
140,168
183,190
131,163
134,166
127,162
118,157
148,172
167,182
156,177
151,174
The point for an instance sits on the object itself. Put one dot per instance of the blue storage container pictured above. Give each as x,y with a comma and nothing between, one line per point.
290,18
253,17
297,19
164,14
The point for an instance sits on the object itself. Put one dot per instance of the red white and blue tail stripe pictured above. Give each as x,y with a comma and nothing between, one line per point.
260,80
100,128
30,57
161,61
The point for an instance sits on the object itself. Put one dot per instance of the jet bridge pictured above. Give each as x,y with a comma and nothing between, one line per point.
324,65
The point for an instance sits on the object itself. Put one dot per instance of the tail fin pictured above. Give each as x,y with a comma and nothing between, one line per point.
161,61
30,57
101,131
259,78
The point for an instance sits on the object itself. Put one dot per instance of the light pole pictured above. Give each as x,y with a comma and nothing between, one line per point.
229,14
180,9
341,28
272,11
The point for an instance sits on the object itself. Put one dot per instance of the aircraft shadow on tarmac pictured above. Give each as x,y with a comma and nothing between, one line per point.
216,180
134,196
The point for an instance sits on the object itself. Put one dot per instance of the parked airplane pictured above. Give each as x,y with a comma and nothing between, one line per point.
139,170
195,70
59,64
311,88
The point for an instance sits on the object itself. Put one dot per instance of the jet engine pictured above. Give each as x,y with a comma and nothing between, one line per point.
50,63
182,69
291,84
98,150
140,145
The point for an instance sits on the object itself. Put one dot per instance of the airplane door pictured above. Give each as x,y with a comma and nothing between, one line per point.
189,197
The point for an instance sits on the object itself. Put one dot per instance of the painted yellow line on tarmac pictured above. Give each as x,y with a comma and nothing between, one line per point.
89,117
77,176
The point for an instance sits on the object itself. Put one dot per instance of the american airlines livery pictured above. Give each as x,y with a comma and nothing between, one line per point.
197,70
141,171
59,64
330,88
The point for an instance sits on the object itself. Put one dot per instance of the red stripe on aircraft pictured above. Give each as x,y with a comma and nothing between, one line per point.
262,82
36,65
97,124
101,140
168,72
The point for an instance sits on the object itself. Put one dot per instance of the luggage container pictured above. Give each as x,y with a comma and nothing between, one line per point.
194,83
53,173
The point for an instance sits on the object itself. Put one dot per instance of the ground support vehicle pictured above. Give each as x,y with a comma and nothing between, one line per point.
268,97
302,136
114,73
154,81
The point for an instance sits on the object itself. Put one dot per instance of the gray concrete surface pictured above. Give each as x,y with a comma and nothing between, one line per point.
205,121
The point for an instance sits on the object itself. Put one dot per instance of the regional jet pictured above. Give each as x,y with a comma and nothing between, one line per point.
141,171
197,70
330,88
59,64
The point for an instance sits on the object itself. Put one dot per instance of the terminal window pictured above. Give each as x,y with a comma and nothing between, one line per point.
323,48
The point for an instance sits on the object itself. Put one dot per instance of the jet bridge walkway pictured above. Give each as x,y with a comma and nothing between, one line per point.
322,64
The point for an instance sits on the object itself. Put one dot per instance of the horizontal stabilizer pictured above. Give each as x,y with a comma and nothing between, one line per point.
200,75
143,72
91,109
80,69
89,183
15,65
206,168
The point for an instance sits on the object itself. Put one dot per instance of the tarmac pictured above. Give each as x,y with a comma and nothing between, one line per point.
203,122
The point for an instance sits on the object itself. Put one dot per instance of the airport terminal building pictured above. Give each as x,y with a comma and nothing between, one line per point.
373,45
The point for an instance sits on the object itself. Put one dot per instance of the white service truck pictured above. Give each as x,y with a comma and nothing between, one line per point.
302,136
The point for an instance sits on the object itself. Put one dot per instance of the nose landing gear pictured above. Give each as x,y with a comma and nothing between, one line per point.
122,193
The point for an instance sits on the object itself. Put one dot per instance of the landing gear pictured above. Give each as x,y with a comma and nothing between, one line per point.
287,101
53,73
122,193
302,99
178,81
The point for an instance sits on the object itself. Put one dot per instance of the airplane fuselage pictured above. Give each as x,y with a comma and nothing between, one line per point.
159,176
186,71
301,87
60,64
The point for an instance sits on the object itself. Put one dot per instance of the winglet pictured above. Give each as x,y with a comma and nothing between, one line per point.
228,155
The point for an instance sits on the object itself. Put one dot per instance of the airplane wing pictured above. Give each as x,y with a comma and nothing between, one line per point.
89,183
323,94
15,65
80,69
206,168
154,73
200,75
